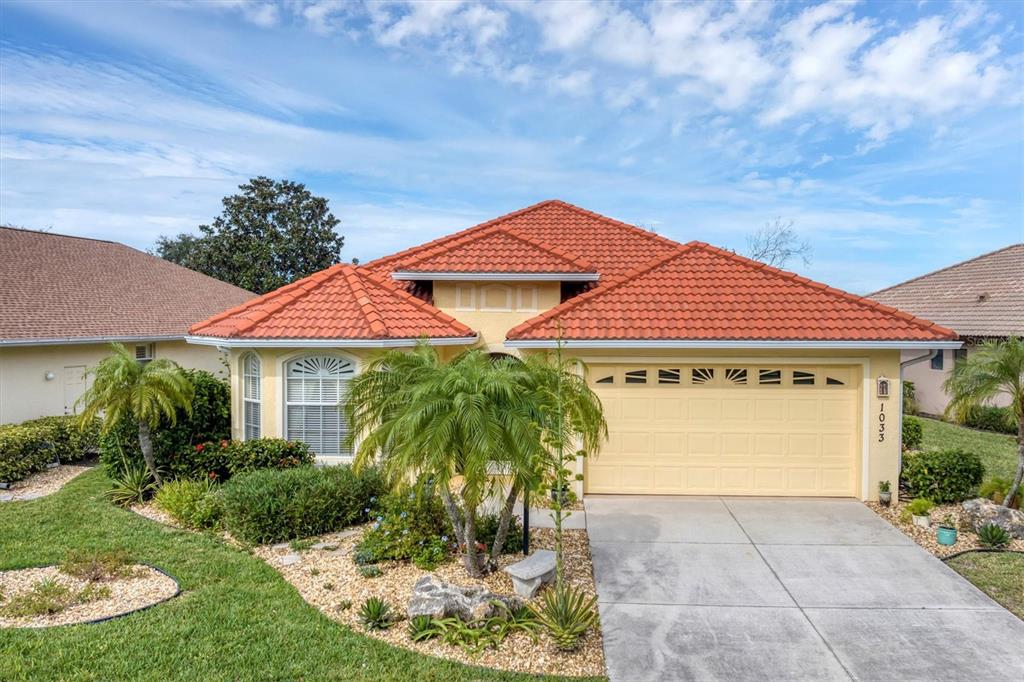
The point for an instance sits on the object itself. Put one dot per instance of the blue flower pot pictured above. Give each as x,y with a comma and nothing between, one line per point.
945,536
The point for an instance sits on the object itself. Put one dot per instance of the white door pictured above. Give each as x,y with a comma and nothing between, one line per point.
74,386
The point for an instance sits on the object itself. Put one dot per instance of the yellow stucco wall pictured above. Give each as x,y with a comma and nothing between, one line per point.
477,304
26,393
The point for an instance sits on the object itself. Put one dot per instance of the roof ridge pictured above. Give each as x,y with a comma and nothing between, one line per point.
618,223
601,289
434,311
317,276
30,230
366,306
948,267
573,258
813,284
456,235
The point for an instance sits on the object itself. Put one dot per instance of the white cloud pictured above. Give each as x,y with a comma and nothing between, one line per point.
576,83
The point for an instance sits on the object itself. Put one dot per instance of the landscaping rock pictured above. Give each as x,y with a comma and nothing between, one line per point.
433,597
289,559
981,512
532,572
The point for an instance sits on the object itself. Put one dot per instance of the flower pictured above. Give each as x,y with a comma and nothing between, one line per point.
380,518
404,514
373,499
444,538
200,447
366,510
223,443
405,531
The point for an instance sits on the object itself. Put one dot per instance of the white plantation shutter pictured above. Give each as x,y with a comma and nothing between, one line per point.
251,374
314,387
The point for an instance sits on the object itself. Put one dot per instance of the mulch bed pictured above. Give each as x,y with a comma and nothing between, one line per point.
329,580
966,539
42,483
144,586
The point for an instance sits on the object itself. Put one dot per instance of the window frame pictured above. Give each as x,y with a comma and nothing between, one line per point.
350,367
938,362
252,397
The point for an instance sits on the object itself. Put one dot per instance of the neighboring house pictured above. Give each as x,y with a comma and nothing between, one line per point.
980,299
718,374
64,299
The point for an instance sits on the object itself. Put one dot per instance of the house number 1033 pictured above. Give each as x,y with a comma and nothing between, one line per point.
881,422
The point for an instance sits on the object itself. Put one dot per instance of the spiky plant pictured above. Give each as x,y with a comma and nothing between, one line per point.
991,535
567,613
148,392
995,368
376,614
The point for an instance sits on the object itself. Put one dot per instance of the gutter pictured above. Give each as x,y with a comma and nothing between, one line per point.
11,343
222,343
729,343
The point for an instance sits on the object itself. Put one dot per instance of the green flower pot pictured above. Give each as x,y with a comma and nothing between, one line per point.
945,536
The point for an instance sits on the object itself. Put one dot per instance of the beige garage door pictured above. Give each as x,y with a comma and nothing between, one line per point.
727,429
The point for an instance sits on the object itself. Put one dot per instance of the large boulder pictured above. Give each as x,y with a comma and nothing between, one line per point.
981,512
433,597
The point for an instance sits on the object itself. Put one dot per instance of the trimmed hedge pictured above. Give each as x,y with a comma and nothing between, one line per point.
173,446
272,505
24,448
195,504
223,459
998,419
912,432
943,476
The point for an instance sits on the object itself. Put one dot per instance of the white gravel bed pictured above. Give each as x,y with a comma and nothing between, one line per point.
42,483
145,586
328,578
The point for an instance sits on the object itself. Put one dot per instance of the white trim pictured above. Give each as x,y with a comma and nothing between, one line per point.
866,385
282,393
718,359
327,343
461,291
534,296
484,289
739,343
89,339
405,275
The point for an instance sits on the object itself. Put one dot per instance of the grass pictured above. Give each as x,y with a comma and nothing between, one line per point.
237,619
998,451
1000,575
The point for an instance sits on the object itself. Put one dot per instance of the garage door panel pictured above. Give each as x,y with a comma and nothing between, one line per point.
723,437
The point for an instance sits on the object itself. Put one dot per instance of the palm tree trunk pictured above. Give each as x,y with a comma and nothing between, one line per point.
1015,486
454,517
504,522
146,444
469,559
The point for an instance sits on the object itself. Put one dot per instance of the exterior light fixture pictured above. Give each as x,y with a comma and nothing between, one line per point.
49,376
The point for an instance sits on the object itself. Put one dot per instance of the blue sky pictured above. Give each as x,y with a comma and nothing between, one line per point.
891,133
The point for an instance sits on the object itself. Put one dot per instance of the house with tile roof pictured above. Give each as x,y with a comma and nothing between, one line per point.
718,374
63,300
981,298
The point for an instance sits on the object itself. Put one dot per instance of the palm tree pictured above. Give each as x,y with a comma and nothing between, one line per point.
454,423
124,387
995,368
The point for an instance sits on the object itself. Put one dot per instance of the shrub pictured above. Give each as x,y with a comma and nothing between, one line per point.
912,433
991,535
917,507
192,503
220,460
272,505
910,405
371,571
989,418
567,614
487,529
134,485
28,447
995,489
173,446
407,527
943,475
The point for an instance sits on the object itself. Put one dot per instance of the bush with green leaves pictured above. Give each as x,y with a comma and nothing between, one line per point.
28,447
276,505
943,476
220,460
917,507
913,433
192,503
991,418
910,405
995,489
376,614
566,614
133,485
487,530
174,445
991,535
407,526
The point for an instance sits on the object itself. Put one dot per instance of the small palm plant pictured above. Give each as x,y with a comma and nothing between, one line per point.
148,393
995,368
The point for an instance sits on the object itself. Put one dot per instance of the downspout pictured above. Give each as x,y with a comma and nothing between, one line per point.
907,363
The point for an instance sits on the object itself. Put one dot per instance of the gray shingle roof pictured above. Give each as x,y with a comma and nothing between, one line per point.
56,287
983,296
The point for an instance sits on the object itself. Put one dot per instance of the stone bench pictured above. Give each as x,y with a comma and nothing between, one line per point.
532,572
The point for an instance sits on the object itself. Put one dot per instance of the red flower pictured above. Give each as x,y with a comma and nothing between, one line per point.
223,443
199,448
213,475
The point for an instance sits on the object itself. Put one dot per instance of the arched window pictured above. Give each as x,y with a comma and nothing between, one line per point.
251,375
314,387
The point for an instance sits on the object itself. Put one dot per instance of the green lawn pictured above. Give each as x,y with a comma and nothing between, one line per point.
237,619
1000,576
998,452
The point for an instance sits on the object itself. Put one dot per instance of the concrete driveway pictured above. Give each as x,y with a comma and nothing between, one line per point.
708,588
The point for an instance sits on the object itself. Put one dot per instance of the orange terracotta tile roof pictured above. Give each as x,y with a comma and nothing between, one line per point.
699,292
55,288
497,249
341,302
608,246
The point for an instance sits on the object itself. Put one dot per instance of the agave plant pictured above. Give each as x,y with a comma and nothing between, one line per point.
376,614
134,485
422,628
567,613
992,535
